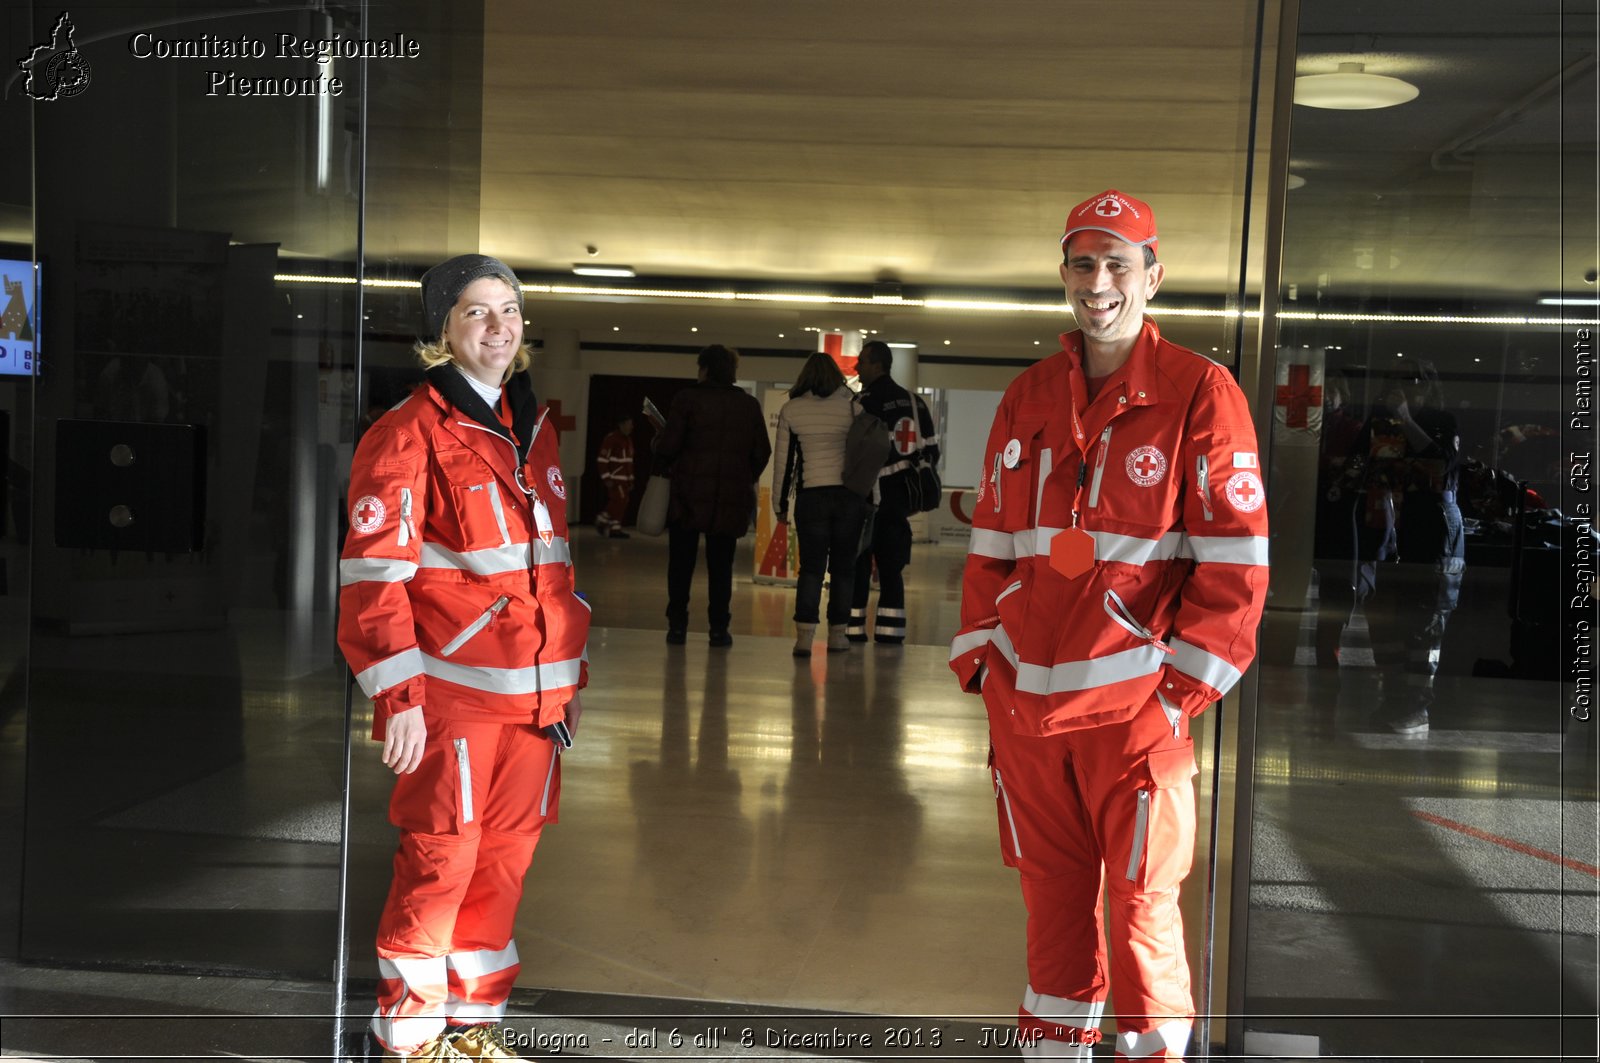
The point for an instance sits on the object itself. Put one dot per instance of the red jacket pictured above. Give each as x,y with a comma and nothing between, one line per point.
1163,470
455,589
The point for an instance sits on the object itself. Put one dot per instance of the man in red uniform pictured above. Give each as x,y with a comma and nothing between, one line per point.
1115,579
616,473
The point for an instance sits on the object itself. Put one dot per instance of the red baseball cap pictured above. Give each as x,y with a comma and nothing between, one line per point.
1112,212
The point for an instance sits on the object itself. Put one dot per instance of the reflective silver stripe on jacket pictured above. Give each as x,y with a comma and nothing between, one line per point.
498,559
1080,675
1210,669
375,570
1229,549
529,680
391,671
972,640
996,544
1108,546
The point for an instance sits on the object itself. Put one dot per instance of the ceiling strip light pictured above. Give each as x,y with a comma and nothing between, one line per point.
966,305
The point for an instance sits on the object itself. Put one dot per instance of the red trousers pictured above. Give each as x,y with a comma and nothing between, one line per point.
617,498
469,819
1105,810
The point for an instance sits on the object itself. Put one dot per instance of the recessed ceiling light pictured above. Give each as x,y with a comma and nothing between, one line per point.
616,328
947,343
694,328
1352,89
1296,181
583,269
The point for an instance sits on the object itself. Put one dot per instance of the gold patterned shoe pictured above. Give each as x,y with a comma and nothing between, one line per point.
483,1042
434,1050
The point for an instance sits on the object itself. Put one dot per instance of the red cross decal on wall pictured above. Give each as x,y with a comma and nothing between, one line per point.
559,421
1298,396
905,435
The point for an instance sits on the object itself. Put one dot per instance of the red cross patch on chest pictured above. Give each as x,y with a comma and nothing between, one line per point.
905,435
1146,466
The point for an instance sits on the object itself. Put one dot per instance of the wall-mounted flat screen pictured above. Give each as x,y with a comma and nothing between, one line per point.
19,317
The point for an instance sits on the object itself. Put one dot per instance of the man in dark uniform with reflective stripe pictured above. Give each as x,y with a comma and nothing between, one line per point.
895,497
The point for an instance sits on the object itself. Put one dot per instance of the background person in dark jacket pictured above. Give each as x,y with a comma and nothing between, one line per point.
714,447
896,497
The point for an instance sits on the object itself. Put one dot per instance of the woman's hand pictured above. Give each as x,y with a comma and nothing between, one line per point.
574,711
403,739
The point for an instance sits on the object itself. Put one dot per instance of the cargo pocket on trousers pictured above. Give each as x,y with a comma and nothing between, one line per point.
1162,848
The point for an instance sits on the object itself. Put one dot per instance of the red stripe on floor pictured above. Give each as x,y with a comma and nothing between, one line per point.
1508,843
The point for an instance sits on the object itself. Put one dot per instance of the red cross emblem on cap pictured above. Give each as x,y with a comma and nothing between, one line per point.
905,435
1108,207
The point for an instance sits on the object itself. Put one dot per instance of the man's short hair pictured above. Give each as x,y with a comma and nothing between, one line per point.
878,353
720,363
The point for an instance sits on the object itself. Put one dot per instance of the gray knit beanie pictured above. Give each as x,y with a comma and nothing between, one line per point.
443,284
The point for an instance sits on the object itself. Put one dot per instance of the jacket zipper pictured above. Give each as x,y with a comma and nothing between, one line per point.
499,513
1202,480
408,530
1141,823
1099,468
483,621
994,478
1118,610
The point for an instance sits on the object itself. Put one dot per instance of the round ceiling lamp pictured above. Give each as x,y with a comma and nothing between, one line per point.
1352,89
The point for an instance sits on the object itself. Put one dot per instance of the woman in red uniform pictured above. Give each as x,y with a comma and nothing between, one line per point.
458,616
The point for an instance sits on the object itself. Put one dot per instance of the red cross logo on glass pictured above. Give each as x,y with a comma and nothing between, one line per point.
1298,396
905,435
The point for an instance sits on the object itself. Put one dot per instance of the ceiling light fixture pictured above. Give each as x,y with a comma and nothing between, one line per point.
583,269
1568,300
1352,89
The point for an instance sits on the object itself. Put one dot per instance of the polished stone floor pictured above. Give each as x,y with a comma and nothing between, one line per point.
746,836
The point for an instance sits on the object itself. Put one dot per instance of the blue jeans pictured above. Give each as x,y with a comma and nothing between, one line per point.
828,521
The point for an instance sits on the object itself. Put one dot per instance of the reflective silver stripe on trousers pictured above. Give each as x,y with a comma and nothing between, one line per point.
479,962
1011,821
1141,826
1170,1038
549,782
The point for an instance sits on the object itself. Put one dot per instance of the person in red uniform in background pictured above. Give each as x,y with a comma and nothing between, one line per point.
616,472
459,619
1114,582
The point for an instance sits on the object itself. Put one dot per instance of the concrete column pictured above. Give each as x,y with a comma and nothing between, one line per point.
561,382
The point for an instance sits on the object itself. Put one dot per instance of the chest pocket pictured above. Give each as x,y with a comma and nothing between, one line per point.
1019,467
472,497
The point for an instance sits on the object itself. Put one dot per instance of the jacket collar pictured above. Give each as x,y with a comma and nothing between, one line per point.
1139,379
453,387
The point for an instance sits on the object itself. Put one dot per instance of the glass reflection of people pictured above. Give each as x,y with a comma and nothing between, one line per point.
615,462
456,583
1334,550
812,427
1410,542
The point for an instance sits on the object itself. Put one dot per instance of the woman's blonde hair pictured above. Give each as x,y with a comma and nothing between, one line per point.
438,353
